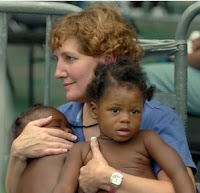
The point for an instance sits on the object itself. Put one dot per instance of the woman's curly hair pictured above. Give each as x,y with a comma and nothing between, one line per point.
99,29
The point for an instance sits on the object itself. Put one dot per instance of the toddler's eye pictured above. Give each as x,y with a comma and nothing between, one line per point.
115,110
135,112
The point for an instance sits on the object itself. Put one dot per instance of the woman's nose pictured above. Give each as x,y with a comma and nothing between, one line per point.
59,72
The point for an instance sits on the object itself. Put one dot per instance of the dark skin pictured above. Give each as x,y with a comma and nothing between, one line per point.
41,174
34,177
118,155
123,146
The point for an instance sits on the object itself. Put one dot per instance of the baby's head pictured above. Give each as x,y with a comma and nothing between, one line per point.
59,121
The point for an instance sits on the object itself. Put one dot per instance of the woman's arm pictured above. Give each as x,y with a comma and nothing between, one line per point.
34,142
96,174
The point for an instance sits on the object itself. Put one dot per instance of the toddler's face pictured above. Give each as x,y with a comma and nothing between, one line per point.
119,113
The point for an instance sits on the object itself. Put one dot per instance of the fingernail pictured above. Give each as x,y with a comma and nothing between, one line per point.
75,137
50,117
93,138
65,150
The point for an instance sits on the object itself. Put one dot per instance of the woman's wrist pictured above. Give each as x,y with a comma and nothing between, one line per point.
16,153
104,178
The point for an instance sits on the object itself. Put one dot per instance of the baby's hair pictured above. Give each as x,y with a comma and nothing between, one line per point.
35,112
122,73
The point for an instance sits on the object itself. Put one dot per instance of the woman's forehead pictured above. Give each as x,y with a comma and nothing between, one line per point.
70,45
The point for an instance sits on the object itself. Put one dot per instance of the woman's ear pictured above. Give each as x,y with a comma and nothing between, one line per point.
93,107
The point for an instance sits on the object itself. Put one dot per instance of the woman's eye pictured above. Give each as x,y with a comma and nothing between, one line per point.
115,110
69,58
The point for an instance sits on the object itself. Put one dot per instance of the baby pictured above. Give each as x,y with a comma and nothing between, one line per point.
41,172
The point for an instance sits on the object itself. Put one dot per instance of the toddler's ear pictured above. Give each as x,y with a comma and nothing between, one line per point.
93,108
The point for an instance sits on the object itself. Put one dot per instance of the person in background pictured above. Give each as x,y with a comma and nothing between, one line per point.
161,74
41,172
79,42
117,95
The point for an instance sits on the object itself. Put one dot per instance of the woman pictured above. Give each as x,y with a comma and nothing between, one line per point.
79,42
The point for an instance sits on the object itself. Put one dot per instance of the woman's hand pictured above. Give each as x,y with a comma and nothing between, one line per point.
96,174
36,142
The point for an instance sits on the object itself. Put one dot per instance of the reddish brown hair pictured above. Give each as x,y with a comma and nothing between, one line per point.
99,29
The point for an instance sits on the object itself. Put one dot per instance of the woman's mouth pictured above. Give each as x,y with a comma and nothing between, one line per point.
67,85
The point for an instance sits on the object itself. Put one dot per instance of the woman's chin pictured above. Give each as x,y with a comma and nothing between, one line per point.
76,98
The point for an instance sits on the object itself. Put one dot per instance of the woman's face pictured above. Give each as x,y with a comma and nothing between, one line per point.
74,69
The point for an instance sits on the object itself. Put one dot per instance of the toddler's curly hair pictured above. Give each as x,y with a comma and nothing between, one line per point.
123,73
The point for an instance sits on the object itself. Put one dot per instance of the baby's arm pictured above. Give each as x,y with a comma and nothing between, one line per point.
169,160
41,174
68,181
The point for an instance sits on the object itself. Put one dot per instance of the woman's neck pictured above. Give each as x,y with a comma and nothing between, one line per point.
92,128
87,115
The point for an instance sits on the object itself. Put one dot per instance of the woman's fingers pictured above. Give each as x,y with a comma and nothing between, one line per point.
39,148
53,152
89,178
95,149
50,149
54,132
61,134
41,122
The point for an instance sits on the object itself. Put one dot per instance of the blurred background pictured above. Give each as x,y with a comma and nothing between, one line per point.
26,39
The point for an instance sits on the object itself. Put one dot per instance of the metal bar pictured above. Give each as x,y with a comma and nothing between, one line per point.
3,100
38,7
31,77
47,62
185,20
180,81
181,60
